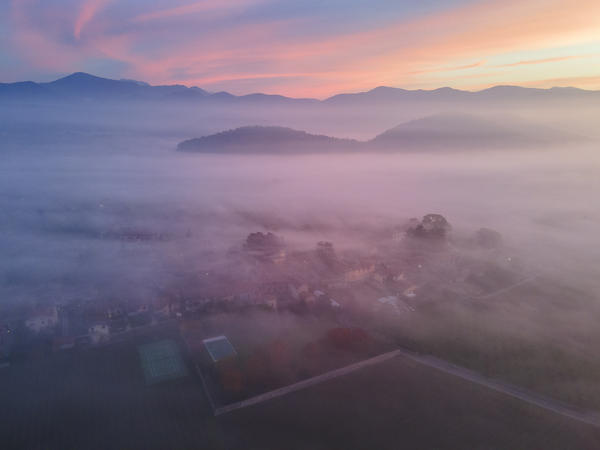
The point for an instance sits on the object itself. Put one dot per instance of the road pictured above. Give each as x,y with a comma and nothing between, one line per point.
527,396
306,383
505,289
549,404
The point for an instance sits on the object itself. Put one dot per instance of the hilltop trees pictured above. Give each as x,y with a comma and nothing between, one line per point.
263,242
432,226
488,238
326,252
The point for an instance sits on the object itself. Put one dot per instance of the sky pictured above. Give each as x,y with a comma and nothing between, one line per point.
305,48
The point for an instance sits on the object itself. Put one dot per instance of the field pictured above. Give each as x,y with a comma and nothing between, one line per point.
399,405
510,337
273,350
99,399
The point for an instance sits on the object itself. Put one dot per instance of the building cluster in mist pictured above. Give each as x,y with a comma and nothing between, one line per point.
413,264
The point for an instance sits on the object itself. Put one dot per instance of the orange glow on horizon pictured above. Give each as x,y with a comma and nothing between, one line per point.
465,47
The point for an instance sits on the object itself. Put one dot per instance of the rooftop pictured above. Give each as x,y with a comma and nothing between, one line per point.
219,348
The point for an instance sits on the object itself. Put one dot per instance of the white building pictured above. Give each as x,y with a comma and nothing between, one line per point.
411,292
43,320
398,305
99,333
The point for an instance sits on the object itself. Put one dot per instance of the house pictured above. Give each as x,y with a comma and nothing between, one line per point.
43,320
411,291
334,304
164,312
99,333
299,292
140,315
270,301
63,343
382,273
294,292
398,305
6,344
398,235
379,277
303,288
244,298
310,299
279,257
391,300
399,277
114,313
273,294
359,273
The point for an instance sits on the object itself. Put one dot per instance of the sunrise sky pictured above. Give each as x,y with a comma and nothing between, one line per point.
302,48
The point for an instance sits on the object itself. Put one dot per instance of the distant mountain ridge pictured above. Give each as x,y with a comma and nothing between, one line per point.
437,132
390,95
460,130
258,139
83,86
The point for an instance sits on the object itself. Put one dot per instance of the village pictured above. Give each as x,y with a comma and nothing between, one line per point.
287,314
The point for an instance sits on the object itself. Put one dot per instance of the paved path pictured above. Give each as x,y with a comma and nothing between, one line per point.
306,383
589,417
525,395
505,289
549,404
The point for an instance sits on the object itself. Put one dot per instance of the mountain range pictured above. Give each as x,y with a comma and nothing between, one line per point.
456,131
83,86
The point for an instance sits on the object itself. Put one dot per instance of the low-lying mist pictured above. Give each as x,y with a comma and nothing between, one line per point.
96,215
69,215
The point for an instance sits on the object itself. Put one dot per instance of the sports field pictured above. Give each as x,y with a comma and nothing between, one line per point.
161,361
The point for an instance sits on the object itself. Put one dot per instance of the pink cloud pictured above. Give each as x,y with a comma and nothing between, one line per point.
547,60
449,69
277,56
195,8
86,13
36,46
584,82
473,31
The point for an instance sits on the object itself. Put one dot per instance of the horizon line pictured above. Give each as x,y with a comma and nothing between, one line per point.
302,98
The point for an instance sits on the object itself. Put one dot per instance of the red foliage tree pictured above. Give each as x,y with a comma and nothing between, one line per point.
349,339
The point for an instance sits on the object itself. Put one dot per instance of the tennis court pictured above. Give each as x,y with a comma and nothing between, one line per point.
161,361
